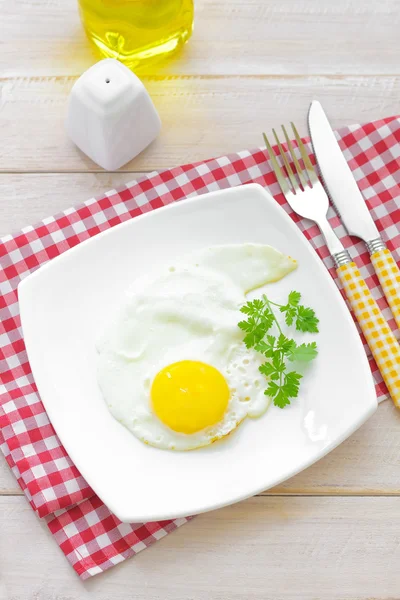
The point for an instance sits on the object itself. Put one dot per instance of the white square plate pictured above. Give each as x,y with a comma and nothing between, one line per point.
64,306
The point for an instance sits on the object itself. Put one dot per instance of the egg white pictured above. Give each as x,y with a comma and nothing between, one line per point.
189,312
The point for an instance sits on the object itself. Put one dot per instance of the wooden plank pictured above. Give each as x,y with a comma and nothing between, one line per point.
202,116
367,463
230,37
8,484
28,198
262,549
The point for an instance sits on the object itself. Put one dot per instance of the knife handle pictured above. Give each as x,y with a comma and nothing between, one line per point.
383,345
389,277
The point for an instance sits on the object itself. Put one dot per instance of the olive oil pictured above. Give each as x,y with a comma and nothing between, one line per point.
137,32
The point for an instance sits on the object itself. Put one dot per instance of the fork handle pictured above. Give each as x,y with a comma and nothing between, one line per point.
389,277
384,346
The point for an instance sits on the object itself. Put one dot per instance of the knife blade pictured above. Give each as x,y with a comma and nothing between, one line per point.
338,178
350,204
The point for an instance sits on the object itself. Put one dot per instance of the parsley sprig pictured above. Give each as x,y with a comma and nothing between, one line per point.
279,349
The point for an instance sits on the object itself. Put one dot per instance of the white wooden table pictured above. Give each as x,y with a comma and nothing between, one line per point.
332,531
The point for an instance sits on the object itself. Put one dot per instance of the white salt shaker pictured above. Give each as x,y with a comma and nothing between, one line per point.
111,116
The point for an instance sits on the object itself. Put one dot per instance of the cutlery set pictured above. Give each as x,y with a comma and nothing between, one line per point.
307,197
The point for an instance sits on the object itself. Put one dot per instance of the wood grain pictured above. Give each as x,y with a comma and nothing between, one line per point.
8,484
28,198
231,37
261,549
202,116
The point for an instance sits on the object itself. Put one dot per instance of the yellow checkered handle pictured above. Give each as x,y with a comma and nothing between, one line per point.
379,336
389,277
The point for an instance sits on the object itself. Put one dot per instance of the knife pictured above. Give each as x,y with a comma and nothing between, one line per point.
350,204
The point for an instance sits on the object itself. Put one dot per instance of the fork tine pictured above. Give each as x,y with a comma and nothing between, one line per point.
307,162
278,171
299,170
289,170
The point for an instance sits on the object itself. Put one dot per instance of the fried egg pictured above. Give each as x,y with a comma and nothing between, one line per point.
172,366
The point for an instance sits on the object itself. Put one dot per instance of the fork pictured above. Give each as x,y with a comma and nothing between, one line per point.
307,197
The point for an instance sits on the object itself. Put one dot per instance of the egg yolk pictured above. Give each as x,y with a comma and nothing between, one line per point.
188,396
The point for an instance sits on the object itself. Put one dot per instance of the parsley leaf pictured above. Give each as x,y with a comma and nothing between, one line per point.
277,349
306,320
304,352
294,298
303,317
292,383
267,369
259,322
284,390
285,345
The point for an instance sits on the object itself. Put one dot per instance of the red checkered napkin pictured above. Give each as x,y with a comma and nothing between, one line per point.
90,536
